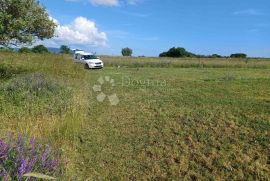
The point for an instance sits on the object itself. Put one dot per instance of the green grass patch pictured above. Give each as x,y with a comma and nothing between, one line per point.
177,119
135,62
34,94
7,71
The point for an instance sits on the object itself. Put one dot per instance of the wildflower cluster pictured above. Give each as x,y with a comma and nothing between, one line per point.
18,157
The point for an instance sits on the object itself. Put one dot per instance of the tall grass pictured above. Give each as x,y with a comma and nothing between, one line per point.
37,99
136,62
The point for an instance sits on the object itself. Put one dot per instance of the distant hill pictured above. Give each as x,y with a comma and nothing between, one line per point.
51,49
54,50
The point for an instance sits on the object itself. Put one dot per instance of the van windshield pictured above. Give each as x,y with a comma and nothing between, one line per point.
88,57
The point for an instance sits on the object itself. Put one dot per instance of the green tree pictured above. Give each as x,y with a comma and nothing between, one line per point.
6,49
215,56
40,49
23,21
177,52
65,49
163,54
127,52
238,55
25,50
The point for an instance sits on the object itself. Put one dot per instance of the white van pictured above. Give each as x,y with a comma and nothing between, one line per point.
88,59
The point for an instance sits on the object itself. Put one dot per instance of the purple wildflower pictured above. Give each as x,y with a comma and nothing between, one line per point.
23,167
4,175
44,155
31,164
32,141
20,145
3,151
33,145
51,164
20,158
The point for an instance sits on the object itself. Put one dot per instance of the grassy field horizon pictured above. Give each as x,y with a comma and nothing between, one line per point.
193,119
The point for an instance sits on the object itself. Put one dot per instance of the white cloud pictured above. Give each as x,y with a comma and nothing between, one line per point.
105,2
81,32
108,2
250,12
133,2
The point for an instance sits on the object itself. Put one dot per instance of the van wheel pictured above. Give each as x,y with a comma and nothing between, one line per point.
86,66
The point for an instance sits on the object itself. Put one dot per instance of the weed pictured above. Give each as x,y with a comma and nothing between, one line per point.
7,72
36,92
19,157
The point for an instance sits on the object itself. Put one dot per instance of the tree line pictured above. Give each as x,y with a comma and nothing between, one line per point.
179,52
182,52
172,52
64,49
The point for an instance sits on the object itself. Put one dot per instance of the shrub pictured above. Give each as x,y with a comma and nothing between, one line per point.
215,56
39,93
127,52
65,49
6,49
177,52
163,54
7,71
19,157
238,55
25,50
40,49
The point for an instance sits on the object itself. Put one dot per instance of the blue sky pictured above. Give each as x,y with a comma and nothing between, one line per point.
152,26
